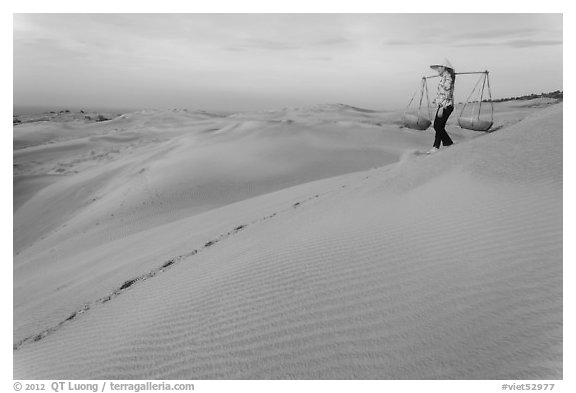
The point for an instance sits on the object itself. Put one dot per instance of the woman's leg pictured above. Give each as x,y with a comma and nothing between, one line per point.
446,140
439,126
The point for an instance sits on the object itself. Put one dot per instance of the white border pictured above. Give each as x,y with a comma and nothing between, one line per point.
356,6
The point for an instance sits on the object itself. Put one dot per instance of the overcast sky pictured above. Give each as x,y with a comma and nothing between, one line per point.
266,61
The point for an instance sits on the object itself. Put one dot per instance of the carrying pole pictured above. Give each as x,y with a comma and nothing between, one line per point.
458,73
475,72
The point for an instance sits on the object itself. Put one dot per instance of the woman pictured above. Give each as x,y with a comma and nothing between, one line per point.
445,102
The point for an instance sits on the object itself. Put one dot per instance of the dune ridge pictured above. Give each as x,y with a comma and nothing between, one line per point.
165,168
441,267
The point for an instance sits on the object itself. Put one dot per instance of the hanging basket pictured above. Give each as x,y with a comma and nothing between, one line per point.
416,122
475,124
415,118
473,115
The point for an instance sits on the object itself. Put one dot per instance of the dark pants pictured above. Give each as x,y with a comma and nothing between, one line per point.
439,126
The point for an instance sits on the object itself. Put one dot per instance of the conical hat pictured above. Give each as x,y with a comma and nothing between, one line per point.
445,64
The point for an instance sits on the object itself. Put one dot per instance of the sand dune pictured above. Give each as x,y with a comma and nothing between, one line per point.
148,168
249,266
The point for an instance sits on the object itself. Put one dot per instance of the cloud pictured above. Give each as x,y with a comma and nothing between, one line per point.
418,41
496,33
530,43
49,49
332,41
260,43
322,58
399,42
484,38
277,45
523,43
235,49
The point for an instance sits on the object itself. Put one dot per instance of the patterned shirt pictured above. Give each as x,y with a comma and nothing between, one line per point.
445,94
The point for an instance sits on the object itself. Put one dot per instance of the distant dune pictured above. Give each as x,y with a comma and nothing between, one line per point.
305,243
151,167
